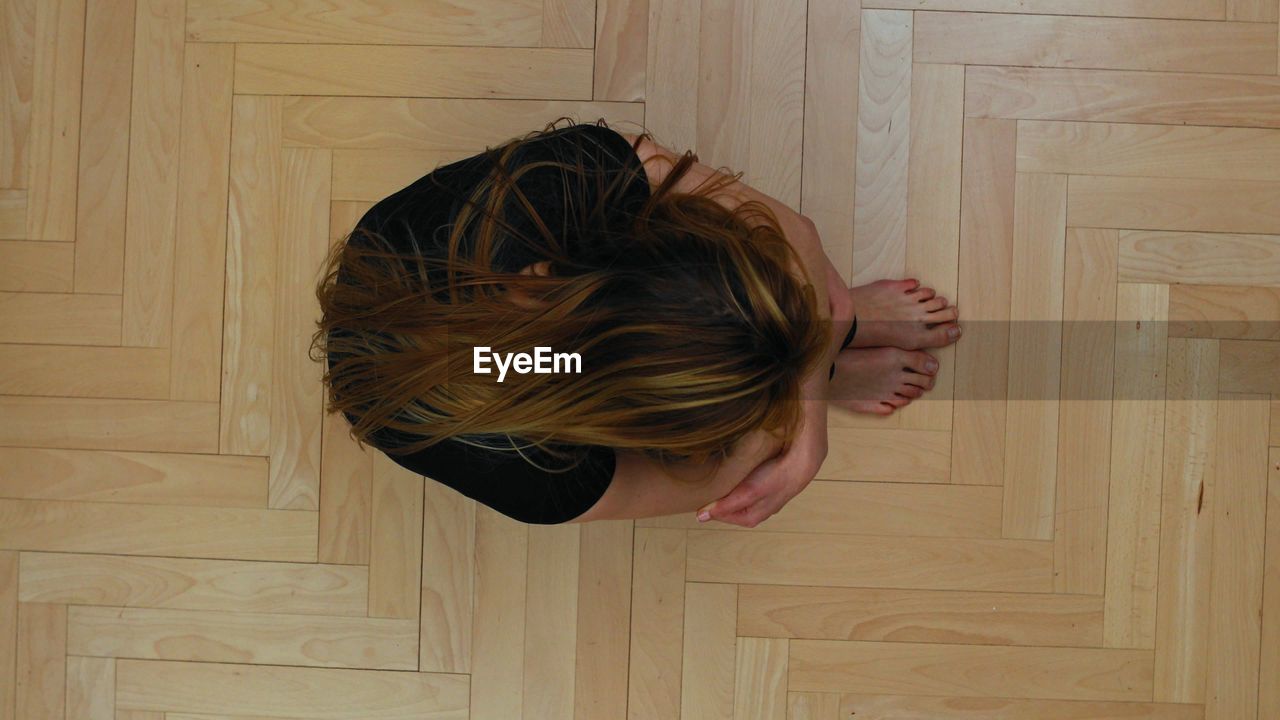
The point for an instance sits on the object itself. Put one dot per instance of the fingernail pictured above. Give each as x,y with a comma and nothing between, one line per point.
704,516
931,366
953,333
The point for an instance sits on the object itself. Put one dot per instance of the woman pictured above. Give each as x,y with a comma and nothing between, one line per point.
710,326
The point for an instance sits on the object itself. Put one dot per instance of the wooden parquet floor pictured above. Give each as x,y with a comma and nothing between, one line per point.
1082,521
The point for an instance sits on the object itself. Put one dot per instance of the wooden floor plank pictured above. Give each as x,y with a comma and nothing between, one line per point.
976,671
133,477
395,544
979,618
108,424
192,584
412,71
1092,42
710,651
394,22
1137,446
1224,311
85,371
252,236
1186,521
1212,206
54,141
905,456
1122,96
152,200
258,639
1249,366
499,624
933,216
1269,662
867,508
91,688
984,268
175,531
870,561
884,100
59,318
1135,150
31,266
1084,414
657,624
551,620
317,693
1035,341
199,274
1191,9
905,707
8,631
829,170
17,36
40,691
1215,258
104,160
760,686
604,611
448,577
1235,603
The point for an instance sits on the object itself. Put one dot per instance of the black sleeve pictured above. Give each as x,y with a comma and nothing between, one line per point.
511,485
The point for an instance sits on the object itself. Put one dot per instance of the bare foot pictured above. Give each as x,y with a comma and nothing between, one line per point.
903,314
880,380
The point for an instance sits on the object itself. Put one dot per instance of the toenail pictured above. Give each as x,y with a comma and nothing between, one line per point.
931,366
953,333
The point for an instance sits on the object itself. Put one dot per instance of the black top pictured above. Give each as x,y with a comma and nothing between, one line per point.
502,480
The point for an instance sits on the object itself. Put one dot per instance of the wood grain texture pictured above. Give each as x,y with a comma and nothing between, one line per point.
870,508
412,71
760,686
499,624
1187,500
1122,96
984,268
551,620
1063,673
191,584
448,577
1221,206
199,272
1235,603
919,456
17,60
1093,42
904,707
54,140
40,690
1224,311
91,688
657,624
978,618
319,693
884,100
103,159
1199,258
394,22
1249,366
604,604
395,543
1269,662
1135,150
829,169
709,660
8,630
1190,9
1137,442
1084,419
1035,342
864,561
258,639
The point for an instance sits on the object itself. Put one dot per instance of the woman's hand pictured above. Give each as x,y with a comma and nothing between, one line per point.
773,483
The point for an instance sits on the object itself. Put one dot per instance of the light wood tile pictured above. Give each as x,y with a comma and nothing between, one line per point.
54,140
604,606
919,456
1224,311
551,620
16,70
1269,662
40,691
499,623
1249,366
91,688
905,707
657,624
8,630
1192,9
760,686
710,651
395,544
448,580
1199,258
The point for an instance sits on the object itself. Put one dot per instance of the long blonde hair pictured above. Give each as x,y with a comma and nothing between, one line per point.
692,330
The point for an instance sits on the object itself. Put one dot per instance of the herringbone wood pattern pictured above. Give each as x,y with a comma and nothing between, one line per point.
1082,521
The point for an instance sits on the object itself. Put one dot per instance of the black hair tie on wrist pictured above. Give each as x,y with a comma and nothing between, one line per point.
847,339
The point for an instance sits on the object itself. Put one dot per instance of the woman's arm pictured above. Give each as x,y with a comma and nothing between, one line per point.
641,488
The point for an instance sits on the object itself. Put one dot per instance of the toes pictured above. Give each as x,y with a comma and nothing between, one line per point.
920,362
944,314
924,382
944,334
922,293
871,408
934,304
911,391
897,400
